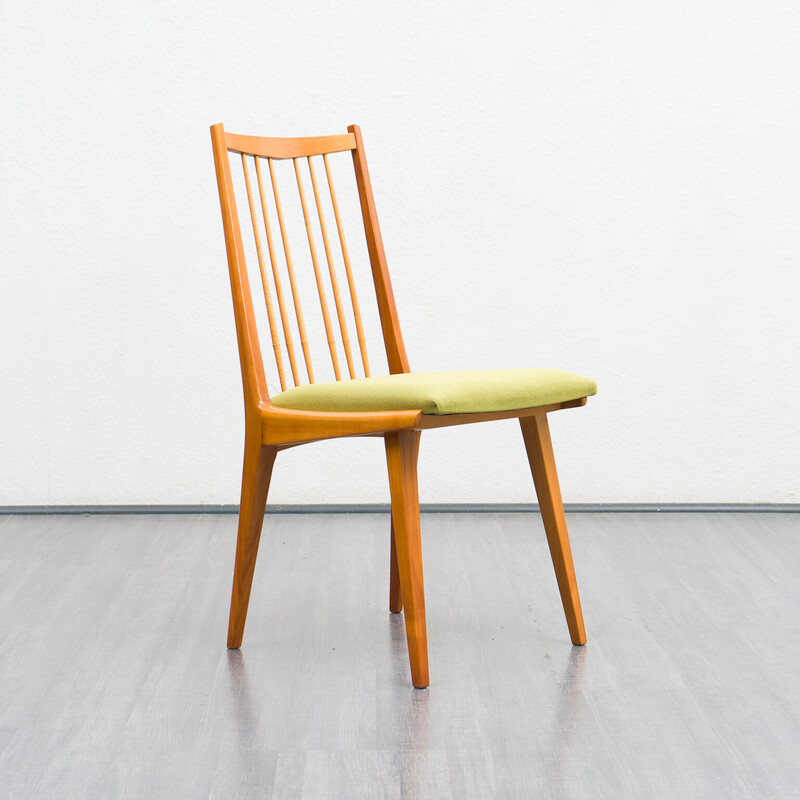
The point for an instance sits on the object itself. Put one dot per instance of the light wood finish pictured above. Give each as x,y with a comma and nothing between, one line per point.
273,328
279,148
287,426
337,299
390,324
301,325
269,429
430,421
254,381
362,341
395,589
401,458
256,474
285,321
536,434
317,274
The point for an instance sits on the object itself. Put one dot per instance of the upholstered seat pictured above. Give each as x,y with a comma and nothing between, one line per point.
458,392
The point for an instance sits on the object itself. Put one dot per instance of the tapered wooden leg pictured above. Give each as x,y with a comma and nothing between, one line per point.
395,592
401,458
536,433
258,463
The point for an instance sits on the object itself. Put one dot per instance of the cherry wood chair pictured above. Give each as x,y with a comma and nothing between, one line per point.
397,406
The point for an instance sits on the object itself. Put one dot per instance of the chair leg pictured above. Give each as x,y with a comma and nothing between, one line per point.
401,458
536,433
395,592
256,474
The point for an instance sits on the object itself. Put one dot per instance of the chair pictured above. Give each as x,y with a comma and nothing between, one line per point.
397,406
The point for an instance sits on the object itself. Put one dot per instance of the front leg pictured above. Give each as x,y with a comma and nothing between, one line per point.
258,462
401,459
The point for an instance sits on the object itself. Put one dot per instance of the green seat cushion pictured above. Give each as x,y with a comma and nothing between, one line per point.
461,392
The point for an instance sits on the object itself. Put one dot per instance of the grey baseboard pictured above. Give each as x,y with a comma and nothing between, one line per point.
427,508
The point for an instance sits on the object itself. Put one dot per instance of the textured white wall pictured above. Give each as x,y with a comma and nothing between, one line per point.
610,188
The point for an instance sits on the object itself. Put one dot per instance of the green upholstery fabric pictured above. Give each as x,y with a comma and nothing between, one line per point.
462,392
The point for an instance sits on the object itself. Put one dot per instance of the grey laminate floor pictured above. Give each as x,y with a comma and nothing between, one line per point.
115,680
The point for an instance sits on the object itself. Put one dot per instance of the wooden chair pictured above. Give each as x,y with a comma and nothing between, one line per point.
397,407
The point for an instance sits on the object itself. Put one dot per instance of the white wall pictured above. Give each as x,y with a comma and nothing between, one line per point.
610,188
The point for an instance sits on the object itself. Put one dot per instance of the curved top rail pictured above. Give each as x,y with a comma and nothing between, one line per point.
289,148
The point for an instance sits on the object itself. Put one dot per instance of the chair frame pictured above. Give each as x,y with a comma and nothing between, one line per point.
269,429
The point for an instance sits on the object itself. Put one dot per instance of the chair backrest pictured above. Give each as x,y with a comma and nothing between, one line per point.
257,157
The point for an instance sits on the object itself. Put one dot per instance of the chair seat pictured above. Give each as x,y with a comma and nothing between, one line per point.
457,392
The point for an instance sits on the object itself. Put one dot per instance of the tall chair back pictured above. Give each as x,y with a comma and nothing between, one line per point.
337,300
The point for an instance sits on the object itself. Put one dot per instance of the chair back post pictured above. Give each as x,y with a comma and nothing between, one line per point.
253,378
390,324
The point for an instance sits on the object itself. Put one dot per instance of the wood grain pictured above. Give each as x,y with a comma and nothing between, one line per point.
390,323
281,148
285,426
256,474
298,309
254,381
539,447
337,299
362,341
430,421
273,328
395,589
401,458
269,429
285,320
323,303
